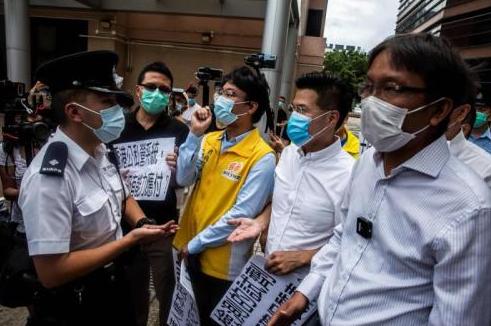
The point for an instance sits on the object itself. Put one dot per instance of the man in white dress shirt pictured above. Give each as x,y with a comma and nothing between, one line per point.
413,247
310,177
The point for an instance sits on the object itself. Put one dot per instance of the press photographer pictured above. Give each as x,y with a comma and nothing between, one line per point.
26,128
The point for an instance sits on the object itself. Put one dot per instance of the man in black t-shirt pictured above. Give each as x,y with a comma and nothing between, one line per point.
150,121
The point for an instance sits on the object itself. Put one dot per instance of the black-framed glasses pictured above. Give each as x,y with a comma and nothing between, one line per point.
388,89
153,87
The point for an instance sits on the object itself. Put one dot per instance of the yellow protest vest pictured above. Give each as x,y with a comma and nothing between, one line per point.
222,177
352,144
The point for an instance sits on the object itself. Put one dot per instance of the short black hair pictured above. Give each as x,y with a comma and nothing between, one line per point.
192,89
159,67
433,58
438,63
332,92
61,99
255,87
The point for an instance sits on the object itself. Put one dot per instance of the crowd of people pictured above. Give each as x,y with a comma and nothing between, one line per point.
394,229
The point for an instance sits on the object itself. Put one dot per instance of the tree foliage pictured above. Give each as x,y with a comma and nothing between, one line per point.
349,65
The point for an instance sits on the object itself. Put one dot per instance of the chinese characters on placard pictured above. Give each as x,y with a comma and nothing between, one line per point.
255,295
143,164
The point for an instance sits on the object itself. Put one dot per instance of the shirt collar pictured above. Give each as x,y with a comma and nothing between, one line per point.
457,143
76,153
487,134
325,153
234,140
430,160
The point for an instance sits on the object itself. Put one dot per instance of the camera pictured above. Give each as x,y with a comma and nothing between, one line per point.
260,60
205,74
24,123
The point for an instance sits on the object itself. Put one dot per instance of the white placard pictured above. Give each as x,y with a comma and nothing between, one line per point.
185,279
143,164
183,311
255,295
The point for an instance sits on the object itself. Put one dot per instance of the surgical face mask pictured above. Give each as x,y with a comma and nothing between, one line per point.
223,111
112,123
381,124
481,119
298,128
154,102
191,102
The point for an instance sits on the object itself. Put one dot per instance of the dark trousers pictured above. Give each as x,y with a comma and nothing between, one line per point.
159,254
208,291
156,256
101,298
137,272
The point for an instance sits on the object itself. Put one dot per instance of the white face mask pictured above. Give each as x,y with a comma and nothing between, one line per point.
381,124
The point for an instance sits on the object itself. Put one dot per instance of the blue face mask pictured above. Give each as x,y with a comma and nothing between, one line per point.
112,123
223,111
191,102
298,128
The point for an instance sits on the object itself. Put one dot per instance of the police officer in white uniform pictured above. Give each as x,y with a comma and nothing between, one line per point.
72,199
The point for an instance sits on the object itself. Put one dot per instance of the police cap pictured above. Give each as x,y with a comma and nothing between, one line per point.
92,70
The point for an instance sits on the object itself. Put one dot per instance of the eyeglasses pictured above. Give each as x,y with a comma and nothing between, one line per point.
387,90
228,93
153,87
297,108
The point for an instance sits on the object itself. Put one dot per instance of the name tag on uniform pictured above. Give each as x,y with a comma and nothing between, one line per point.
364,227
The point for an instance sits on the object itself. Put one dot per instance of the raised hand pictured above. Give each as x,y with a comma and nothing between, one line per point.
200,121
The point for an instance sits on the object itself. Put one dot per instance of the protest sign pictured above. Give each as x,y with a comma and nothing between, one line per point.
143,163
183,311
255,295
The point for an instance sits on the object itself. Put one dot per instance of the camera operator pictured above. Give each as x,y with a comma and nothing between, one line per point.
26,128
192,105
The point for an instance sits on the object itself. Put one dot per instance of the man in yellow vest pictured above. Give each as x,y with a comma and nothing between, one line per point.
349,142
234,174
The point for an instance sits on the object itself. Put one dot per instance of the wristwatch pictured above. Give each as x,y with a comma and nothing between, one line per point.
145,220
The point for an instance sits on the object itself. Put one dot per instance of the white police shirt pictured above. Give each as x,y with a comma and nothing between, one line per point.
79,210
428,259
472,155
307,193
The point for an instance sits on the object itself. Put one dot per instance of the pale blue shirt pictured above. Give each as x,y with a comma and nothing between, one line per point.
483,141
253,196
428,261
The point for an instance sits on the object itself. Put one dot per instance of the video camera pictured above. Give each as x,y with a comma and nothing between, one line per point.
18,128
204,75
260,60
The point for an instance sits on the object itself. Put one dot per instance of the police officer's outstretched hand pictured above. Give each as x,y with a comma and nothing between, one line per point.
149,233
200,121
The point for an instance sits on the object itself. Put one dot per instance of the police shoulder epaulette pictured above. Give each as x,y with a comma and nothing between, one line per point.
55,158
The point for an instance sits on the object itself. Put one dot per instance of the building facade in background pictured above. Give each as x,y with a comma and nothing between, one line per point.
466,23
184,34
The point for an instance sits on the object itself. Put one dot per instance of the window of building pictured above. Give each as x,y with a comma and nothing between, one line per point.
314,22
